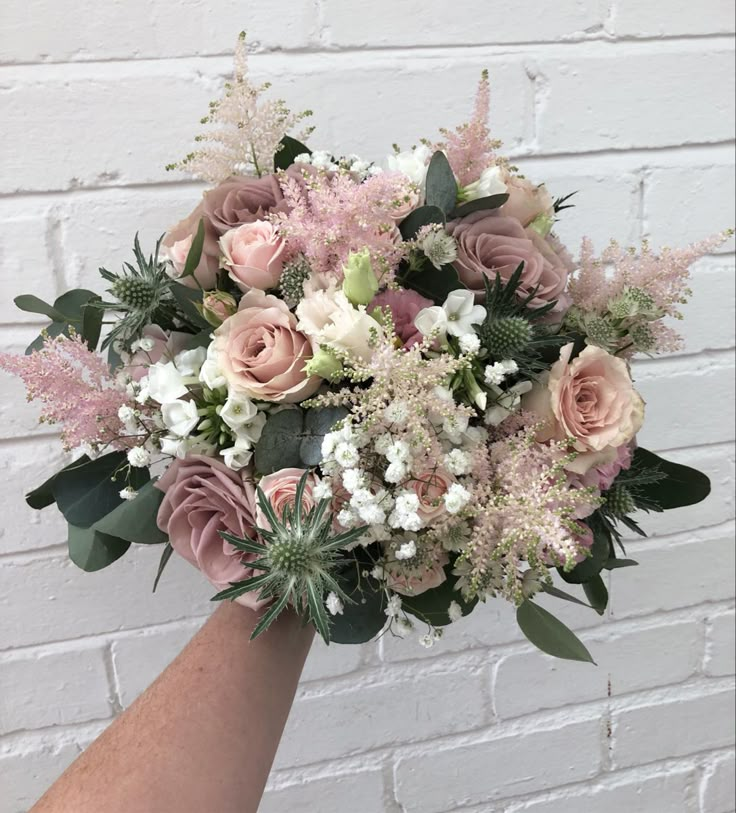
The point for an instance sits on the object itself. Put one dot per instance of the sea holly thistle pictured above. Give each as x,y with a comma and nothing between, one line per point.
297,560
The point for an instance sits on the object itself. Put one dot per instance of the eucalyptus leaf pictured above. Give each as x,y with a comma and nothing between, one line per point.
194,255
420,217
52,331
615,564
318,423
436,284
551,590
682,486
479,205
186,298
287,151
72,303
441,186
91,550
549,633
92,317
135,520
43,495
32,304
363,617
597,594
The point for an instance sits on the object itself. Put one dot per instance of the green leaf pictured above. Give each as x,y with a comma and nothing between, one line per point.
600,553
186,298
441,184
435,284
551,590
71,304
92,323
682,486
287,151
363,616
597,594
163,561
317,424
614,564
420,217
32,304
135,520
91,550
432,605
86,492
195,252
480,204
52,331
549,633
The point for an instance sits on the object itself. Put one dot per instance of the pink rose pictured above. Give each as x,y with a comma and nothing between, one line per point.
253,254
490,244
404,306
155,344
203,497
602,477
262,354
414,576
591,400
242,200
526,200
175,248
279,489
430,487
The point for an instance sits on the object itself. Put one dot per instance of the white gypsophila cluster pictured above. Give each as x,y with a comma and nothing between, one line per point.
496,374
334,604
326,161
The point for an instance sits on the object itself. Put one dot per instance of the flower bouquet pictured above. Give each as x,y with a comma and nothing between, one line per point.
376,395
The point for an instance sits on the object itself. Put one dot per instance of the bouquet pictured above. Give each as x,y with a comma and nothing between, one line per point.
376,395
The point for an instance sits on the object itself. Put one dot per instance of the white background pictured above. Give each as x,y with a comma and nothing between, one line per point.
629,102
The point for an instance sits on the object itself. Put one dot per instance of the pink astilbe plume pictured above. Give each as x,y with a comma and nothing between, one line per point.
525,515
331,215
469,148
76,391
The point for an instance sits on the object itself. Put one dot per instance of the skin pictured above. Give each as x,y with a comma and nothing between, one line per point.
204,735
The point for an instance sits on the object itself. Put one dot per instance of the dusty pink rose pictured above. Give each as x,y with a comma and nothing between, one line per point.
262,354
203,497
602,477
490,244
242,200
279,489
591,400
175,248
404,305
430,487
411,580
254,255
156,344
526,200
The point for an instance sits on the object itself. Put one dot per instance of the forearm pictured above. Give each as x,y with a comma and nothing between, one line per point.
204,735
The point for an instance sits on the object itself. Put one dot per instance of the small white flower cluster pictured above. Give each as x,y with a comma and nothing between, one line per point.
496,374
326,161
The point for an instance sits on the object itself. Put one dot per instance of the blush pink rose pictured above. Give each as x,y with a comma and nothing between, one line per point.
590,400
603,476
526,200
490,245
262,354
254,255
163,345
175,248
202,497
430,487
404,305
280,488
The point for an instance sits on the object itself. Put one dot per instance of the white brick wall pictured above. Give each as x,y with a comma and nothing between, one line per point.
632,104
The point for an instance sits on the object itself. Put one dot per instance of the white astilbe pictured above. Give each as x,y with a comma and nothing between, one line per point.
247,129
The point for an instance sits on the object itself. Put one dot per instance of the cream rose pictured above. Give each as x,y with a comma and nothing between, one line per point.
261,353
253,255
590,399
526,200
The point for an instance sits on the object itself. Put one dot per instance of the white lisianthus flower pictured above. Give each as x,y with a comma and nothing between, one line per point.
412,163
490,183
180,417
210,374
456,317
165,383
334,605
238,411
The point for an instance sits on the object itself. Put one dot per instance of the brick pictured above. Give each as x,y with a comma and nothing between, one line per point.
709,313
710,192
717,791
352,721
25,776
648,20
653,97
625,664
359,792
720,656
41,689
499,768
23,466
675,726
427,23
334,660
39,31
50,599
139,659
674,575
664,793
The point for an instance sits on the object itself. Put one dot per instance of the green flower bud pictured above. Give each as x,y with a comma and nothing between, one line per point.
542,224
325,364
217,306
360,284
